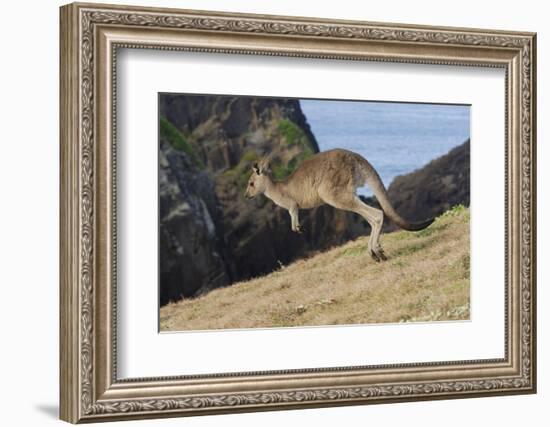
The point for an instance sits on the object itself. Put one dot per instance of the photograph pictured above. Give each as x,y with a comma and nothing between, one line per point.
290,212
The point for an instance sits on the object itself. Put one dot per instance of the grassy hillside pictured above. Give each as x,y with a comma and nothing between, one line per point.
426,278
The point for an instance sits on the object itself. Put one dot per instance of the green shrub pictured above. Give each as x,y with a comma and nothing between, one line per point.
293,135
178,141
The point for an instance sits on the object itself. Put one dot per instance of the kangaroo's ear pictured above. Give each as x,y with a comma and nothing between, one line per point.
264,165
256,168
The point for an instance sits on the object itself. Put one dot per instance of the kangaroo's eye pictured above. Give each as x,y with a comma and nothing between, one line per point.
251,184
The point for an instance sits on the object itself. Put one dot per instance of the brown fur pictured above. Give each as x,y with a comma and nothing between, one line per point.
330,177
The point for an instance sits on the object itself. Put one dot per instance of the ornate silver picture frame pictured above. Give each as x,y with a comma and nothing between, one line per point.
91,37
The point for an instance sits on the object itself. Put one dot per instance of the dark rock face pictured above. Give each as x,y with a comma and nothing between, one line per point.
231,117
191,253
210,234
435,188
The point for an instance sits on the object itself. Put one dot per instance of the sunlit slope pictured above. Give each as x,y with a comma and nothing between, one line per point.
425,278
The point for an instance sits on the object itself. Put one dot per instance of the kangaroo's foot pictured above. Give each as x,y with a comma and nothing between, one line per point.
378,255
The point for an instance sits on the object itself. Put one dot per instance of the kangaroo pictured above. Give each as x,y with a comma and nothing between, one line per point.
330,177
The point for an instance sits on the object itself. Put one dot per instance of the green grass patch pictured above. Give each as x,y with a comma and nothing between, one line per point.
397,236
425,233
293,135
455,211
358,250
178,141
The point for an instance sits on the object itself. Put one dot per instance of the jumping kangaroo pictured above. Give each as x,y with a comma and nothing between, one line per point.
330,177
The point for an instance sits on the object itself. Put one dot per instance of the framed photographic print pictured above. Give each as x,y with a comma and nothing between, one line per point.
266,212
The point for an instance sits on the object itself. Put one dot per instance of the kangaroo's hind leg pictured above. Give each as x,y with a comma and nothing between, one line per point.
375,217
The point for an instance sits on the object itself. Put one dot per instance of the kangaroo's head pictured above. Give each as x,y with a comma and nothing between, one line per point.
258,181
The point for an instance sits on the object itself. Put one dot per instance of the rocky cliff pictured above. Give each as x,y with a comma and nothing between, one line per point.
210,234
190,232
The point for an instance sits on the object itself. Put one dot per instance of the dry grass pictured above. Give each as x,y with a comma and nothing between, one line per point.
426,278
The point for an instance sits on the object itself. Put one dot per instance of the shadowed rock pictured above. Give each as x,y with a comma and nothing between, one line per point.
191,250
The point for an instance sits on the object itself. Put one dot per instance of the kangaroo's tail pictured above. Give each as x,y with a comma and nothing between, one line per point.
373,180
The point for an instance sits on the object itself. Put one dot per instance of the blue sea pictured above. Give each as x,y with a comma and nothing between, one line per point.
396,138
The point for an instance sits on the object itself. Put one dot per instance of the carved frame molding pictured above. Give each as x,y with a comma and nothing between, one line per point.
90,36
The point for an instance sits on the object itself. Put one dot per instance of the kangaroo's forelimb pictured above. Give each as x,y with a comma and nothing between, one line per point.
294,220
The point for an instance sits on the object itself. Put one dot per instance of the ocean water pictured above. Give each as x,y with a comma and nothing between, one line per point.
396,138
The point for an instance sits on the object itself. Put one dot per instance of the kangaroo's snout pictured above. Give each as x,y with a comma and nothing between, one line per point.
249,193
